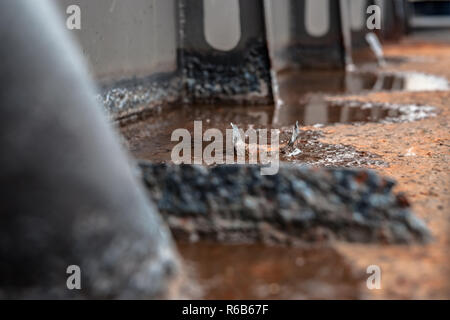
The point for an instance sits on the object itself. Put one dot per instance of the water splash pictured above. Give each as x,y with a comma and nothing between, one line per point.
376,47
295,134
238,142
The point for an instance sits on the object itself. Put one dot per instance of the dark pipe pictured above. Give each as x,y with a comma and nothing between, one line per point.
69,195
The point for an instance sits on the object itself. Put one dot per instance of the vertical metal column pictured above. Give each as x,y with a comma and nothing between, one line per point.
316,34
358,21
223,51
358,24
307,33
393,18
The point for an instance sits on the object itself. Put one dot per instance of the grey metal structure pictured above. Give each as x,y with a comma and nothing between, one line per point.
126,39
236,71
394,14
306,33
217,50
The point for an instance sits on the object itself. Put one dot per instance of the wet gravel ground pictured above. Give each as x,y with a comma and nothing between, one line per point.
247,80
416,154
132,98
309,149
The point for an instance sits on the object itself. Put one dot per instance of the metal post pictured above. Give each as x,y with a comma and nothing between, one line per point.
224,58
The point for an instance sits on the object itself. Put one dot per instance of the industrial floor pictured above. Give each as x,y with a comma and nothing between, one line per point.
415,153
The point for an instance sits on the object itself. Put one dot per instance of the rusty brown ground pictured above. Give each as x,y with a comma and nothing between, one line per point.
418,154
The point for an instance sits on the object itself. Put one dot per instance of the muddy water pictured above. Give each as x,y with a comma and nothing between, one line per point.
261,272
303,95
151,139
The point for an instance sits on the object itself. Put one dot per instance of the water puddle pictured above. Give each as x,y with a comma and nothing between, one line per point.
303,96
320,111
270,272
150,139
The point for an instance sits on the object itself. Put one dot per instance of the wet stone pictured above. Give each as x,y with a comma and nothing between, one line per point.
129,98
207,80
234,203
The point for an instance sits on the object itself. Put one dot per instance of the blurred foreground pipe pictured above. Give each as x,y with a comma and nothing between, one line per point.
69,195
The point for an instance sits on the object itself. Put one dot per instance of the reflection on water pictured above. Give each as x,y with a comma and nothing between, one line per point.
320,111
302,95
265,272
295,84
